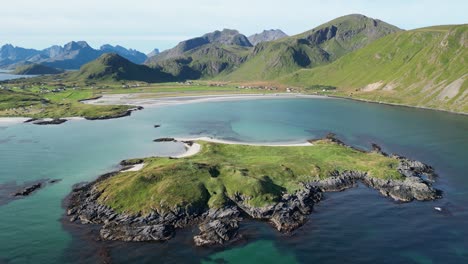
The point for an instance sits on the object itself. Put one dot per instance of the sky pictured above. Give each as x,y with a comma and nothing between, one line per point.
148,24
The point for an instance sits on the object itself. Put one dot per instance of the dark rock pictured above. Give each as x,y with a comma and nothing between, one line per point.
28,190
55,180
30,120
135,233
164,140
131,162
220,227
57,121
156,126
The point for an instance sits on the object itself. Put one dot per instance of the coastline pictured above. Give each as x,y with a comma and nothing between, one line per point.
396,104
8,121
135,99
232,142
192,148
12,120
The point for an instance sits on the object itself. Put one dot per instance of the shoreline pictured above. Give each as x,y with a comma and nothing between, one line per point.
134,99
397,104
12,120
192,148
8,121
260,144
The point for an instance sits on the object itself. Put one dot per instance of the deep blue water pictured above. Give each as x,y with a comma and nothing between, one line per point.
355,226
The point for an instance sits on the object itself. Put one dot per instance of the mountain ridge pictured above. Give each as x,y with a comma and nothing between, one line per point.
318,46
72,55
267,35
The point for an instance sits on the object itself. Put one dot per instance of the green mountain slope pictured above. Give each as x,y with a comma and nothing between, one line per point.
36,69
204,62
205,56
316,47
426,67
112,67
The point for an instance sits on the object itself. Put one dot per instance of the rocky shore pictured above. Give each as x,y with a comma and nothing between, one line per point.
220,226
124,114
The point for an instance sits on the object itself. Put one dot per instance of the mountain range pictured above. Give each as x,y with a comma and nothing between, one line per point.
357,56
72,55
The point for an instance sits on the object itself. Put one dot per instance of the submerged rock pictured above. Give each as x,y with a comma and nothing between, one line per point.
164,140
28,190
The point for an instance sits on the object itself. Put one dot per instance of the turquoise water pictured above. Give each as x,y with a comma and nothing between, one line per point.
356,226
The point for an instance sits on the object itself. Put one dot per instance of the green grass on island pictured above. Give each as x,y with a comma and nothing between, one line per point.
30,103
220,171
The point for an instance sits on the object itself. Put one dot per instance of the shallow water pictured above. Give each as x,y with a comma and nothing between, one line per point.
5,75
356,226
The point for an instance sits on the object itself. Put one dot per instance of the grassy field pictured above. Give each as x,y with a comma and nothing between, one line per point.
32,103
220,171
46,96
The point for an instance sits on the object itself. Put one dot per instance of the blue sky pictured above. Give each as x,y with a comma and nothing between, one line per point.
148,24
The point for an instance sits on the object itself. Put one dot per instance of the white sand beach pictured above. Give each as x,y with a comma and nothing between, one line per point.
7,121
231,142
136,167
196,148
146,101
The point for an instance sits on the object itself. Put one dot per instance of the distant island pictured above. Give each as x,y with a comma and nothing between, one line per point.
217,184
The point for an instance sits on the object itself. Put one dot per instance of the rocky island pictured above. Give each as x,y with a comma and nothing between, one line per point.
220,185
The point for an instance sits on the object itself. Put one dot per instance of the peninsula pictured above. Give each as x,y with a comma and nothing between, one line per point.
216,184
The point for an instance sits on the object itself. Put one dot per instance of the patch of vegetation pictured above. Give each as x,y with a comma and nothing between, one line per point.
259,173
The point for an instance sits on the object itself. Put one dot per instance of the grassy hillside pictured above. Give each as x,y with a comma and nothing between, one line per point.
426,67
112,67
36,69
316,47
205,56
10,99
221,171
203,62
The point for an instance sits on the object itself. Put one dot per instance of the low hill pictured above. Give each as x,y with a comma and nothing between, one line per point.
315,47
113,67
205,56
36,69
426,67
